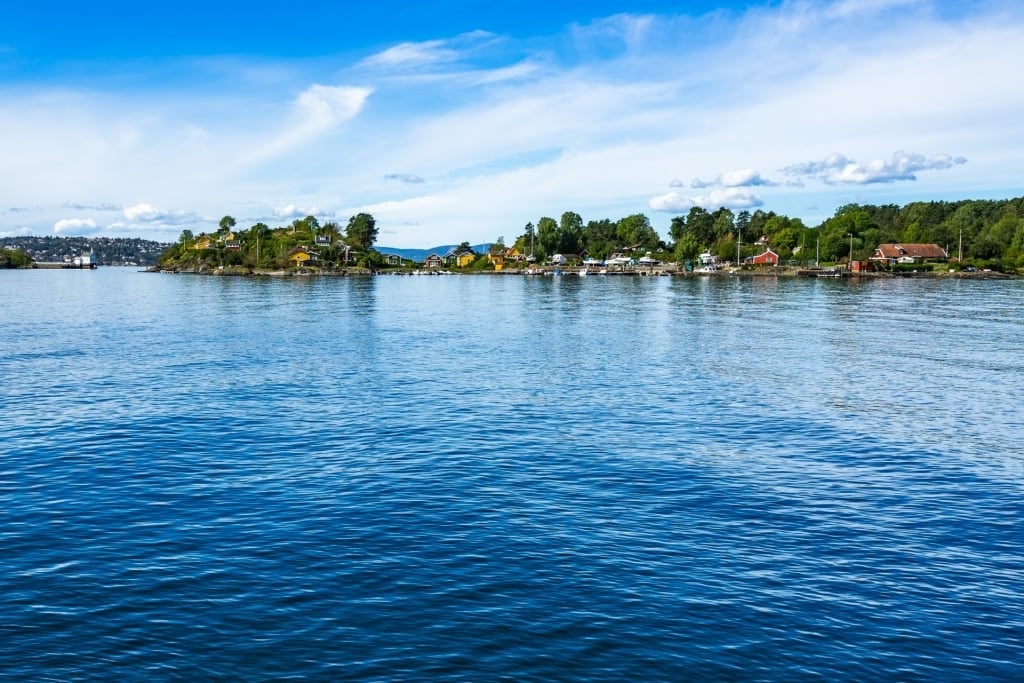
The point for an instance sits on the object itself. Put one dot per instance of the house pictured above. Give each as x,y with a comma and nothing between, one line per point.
891,254
766,258
465,258
433,261
513,254
322,240
232,244
496,256
202,242
302,256
392,259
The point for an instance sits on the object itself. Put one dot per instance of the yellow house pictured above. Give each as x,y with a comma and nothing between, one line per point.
513,254
496,255
465,258
301,256
202,242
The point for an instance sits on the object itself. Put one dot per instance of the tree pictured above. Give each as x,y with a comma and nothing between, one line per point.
185,237
226,224
636,229
547,236
687,248
361,232
570,233
701,225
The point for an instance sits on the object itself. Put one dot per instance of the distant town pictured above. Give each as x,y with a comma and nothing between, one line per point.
107,251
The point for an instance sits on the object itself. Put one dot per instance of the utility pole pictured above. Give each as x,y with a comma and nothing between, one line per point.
739,240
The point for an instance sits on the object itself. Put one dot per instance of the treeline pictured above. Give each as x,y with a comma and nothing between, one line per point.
987,232
261,246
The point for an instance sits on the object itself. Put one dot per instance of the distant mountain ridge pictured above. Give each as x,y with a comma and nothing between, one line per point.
419,255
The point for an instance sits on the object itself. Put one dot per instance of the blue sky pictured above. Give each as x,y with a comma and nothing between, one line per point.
452,120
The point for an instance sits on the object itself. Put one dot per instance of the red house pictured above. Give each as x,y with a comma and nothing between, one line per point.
768,258
433,261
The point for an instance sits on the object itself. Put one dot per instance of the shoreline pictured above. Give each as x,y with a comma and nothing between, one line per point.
555,271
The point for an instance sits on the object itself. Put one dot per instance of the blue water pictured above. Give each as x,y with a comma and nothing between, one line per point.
509,478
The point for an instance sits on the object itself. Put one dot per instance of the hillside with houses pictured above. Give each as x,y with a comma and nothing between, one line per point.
981,234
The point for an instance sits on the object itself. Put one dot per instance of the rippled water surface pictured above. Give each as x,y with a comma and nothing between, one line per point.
507,478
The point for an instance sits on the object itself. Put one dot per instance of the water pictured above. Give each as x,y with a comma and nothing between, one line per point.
505,478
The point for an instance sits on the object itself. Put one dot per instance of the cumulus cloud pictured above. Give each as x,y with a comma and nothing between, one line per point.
74,225
293,211
744,177
837,169
404,178
91,207
730,198
147,213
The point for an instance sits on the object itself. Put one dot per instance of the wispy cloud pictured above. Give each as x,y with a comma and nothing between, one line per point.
428,52
317,110
103,206
404,178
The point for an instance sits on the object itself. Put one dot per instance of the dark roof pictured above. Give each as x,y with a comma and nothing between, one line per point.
898,251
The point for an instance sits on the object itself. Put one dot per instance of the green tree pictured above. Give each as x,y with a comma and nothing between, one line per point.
226,224
687,248
547,236
361,232
636,229
185,237
570,233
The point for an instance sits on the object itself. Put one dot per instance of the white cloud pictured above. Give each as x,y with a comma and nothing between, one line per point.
428,52
837,169
17,232
102,206
143,212
81,226
317,110
147,213
730,198
293,211
744,177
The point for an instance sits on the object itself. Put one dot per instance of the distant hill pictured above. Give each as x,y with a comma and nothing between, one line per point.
419,255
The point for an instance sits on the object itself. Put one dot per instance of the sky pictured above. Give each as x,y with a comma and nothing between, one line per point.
456,121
